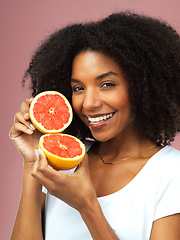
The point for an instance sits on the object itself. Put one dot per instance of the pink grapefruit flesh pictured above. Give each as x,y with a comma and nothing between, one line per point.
50,112
63,151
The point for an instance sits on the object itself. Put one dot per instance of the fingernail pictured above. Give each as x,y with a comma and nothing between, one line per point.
26,115
30,131
32,126
40,151
30,100
35,153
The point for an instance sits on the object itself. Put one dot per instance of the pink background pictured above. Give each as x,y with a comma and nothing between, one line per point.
24,23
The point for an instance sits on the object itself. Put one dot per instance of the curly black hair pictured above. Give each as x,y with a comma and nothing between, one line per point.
146,49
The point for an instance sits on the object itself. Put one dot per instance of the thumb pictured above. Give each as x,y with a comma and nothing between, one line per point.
84,165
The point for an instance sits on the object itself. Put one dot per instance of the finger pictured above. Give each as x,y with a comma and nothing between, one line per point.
25,108
18,129
19,117
85,162
47,170
44,174
29,100
84,165
36,173
43,167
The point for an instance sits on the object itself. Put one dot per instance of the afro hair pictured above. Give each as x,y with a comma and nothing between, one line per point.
146,49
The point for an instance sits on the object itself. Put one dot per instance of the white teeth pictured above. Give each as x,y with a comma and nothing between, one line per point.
97,119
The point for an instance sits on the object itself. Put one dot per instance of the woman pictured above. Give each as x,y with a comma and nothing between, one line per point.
121,75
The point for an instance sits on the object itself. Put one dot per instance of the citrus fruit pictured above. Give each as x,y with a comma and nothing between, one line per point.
50,112
63,151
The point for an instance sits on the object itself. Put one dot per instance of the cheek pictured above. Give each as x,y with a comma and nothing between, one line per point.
120,100
122,104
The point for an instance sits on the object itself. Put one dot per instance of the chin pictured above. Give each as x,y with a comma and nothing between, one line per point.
101,137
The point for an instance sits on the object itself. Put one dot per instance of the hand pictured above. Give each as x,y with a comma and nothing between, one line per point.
75,189
24,134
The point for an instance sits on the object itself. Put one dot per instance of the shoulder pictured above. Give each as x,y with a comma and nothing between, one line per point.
165,172
169,157
171,152
167,167
167,199
168,164
162,168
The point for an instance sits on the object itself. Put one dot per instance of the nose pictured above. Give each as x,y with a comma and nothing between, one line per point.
92,100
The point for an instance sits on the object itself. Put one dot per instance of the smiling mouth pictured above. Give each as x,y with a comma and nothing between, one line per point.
97,119
100,120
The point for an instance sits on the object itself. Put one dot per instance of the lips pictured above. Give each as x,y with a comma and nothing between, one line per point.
99,121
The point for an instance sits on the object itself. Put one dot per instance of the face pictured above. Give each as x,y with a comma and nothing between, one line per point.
100,95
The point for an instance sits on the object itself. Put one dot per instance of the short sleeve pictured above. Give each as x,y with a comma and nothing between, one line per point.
168,194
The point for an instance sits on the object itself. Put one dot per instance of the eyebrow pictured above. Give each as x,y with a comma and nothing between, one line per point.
98,77
105,75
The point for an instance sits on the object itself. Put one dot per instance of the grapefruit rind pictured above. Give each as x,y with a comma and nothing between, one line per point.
38,125
60,163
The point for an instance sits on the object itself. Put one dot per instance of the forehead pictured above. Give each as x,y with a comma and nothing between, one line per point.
92,61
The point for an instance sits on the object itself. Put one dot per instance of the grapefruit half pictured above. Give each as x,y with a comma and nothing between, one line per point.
63,151
50,112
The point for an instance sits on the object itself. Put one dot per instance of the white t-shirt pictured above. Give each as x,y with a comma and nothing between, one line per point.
152,194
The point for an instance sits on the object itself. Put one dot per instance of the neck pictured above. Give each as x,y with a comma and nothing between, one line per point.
126,144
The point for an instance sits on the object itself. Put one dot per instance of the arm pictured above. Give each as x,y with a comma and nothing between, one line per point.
167,217
97,223
166,228
28,222
84,200
64,186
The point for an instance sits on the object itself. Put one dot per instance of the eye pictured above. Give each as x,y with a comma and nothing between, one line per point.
77,88
107,85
